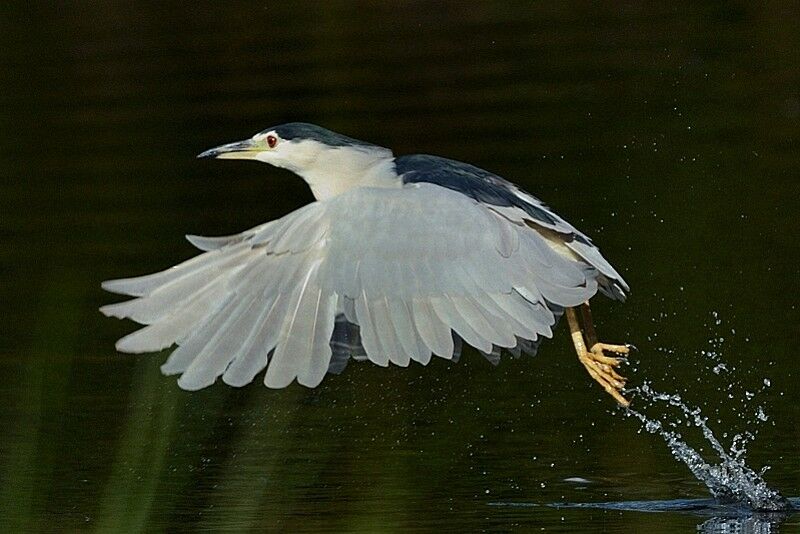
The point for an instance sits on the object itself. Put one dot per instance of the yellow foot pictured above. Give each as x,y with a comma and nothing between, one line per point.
601,368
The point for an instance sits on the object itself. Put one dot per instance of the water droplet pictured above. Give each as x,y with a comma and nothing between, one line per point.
761,415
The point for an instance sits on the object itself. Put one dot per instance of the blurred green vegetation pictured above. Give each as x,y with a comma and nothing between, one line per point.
669,133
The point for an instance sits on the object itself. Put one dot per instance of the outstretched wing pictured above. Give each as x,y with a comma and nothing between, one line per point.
409,266
513,203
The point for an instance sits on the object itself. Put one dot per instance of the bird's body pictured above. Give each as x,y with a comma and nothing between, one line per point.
395,256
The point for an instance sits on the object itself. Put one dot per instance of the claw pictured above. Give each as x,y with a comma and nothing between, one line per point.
598,348
612,385
608,360
601,368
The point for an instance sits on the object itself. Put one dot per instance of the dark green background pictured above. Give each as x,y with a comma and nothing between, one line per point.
668,133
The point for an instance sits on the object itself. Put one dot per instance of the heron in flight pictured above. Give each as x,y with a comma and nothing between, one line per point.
398,259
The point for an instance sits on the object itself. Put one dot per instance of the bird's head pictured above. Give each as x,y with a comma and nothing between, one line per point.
329,162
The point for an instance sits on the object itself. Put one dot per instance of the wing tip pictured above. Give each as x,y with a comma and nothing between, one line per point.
187,383
118,286
207,244
112,310
200,242
128,345
240,383
168,369
615,289
274,381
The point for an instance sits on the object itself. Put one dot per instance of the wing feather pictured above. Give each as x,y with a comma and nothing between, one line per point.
516,314
345,344
496,332
447,311
369,335
434,333
182,357
382,321
205,267
216,354
295,347
183,320
407,333
390,275
252,355
149,309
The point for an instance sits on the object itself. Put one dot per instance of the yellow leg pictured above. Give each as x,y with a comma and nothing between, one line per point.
599,366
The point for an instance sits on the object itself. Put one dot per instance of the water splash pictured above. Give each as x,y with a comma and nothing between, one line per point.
741,502
729,480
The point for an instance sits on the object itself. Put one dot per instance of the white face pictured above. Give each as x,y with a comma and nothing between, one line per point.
269,147
292,155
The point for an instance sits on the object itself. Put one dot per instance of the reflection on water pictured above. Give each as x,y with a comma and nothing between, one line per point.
756,524
668,133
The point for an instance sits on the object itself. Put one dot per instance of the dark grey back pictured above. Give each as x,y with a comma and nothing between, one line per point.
478,184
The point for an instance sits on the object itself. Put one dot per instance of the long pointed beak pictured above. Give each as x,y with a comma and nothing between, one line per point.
246,149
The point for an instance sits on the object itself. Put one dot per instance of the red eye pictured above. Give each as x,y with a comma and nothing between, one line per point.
272,141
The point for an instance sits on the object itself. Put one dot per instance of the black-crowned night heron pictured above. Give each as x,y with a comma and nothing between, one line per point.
399,258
